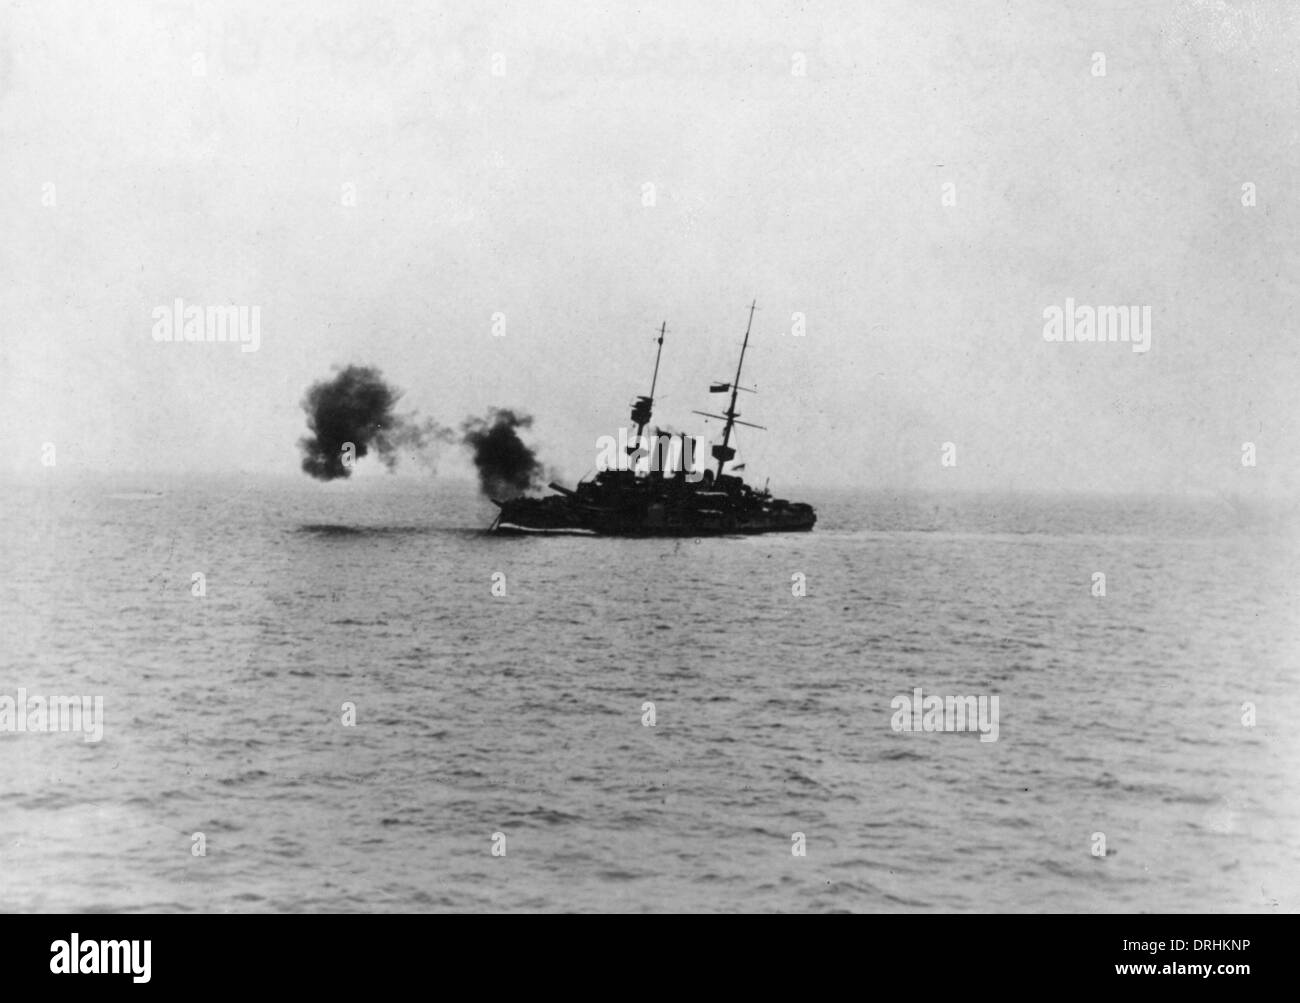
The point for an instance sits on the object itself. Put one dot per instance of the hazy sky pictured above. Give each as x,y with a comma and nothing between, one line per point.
497,156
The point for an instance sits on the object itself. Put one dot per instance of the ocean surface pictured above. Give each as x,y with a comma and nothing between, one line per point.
522,714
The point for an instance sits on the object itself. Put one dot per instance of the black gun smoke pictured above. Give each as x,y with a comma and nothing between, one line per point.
356,407
506,466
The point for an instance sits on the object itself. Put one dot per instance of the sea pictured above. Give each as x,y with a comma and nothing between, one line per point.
349,698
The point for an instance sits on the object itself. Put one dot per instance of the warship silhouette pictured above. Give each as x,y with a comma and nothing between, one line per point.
648,502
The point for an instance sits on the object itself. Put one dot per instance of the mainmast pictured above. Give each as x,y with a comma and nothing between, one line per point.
641,409
724,453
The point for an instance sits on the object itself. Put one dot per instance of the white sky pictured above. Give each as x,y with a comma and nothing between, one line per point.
522,194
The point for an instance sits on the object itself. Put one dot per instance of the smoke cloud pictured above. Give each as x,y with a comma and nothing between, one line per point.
356,408
506,466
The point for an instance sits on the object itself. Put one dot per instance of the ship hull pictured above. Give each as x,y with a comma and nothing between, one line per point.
560,516
513,529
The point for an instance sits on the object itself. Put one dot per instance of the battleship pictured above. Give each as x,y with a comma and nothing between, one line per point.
649,502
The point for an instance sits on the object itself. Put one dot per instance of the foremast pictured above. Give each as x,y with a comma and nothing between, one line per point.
641,410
